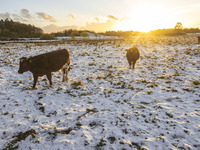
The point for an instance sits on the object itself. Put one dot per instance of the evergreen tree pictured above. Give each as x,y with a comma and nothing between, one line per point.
11,29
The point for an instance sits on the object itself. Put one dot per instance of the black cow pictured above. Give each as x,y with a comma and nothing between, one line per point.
132,56
44,64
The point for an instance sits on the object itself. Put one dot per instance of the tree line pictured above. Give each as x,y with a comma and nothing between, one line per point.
159,32
72,33
174,32
122,33
177,30
11,29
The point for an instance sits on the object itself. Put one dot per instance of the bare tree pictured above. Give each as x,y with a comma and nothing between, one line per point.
178,25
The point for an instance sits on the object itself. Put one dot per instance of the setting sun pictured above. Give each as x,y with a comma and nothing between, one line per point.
145,18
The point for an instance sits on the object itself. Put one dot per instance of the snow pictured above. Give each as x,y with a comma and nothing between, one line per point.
104,105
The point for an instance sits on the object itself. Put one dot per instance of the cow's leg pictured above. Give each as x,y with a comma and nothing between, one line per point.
129,64
134,64
49,77
65,70
35,80
64,74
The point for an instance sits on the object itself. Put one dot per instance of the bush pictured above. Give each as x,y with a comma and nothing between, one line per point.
47,37
74,34
84,34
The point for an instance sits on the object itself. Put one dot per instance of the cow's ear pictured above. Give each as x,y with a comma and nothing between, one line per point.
30,60
22,59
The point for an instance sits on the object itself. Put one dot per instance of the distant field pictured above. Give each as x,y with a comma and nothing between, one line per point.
105,105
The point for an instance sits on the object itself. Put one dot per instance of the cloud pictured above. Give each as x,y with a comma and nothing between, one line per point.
5,15
24,16
100,26
54,28
46,17
17,18
124,19
25,13
101,18
72,16
112,17
97,19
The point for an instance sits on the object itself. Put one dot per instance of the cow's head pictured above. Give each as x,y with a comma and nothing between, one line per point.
24,65
134,48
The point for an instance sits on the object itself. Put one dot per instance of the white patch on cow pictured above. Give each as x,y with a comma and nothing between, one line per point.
65,66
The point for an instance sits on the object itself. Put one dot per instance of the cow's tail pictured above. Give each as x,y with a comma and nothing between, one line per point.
68,62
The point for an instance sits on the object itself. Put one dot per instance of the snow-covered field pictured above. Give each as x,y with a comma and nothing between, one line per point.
105,105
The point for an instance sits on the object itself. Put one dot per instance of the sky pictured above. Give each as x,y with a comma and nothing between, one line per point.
102,15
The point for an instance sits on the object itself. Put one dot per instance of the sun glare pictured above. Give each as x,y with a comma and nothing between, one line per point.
145,18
